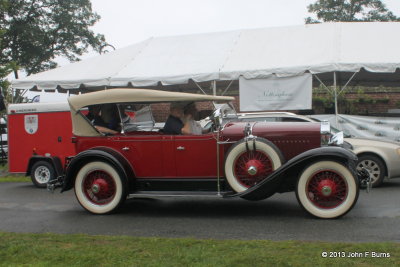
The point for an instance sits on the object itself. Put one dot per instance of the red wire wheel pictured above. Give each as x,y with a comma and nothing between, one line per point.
99,187
252,167
327,189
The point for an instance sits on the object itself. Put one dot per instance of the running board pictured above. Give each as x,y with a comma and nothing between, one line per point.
150,194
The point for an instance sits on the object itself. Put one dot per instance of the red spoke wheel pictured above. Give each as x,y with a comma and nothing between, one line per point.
99,188
252,167
246,167
327,189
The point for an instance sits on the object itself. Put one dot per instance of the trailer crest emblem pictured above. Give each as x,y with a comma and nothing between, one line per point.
31,123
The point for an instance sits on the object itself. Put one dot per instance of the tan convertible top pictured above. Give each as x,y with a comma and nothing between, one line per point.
80,125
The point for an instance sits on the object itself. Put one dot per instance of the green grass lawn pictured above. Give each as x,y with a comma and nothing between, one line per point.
16,179
6,178
85,250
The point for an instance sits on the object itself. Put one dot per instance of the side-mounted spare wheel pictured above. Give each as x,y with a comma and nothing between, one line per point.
42,172
327,189
246,166
99,187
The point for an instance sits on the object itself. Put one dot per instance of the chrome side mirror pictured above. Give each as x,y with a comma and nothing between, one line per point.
337,139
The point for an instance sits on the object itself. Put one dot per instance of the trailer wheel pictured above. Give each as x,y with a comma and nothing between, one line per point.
99,188
245,167
327,189
42,172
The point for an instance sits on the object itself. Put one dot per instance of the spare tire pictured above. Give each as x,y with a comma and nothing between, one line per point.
245,167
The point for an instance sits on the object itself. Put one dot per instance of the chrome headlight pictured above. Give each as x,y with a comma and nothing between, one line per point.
325,127
325,132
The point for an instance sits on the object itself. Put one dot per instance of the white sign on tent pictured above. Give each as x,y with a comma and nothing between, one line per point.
274,93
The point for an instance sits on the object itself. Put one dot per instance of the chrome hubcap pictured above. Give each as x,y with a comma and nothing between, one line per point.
42,174
95,188
252,170
326,191
371,167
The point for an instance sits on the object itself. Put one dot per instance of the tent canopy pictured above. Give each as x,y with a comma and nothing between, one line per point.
254,53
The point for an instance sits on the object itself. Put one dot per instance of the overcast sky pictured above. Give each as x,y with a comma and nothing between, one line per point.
125,22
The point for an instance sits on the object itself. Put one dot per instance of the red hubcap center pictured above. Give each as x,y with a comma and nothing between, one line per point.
252,167
327,188
100,186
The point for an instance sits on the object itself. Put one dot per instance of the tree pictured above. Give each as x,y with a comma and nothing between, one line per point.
37,31
350,10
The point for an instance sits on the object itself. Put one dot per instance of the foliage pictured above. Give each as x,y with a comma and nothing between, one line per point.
86,250
350,10
36,31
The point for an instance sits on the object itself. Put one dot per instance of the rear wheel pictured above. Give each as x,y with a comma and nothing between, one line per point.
42,172
99,188
245,167
327,189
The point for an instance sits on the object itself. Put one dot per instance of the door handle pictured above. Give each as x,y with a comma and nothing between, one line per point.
125,148
180,148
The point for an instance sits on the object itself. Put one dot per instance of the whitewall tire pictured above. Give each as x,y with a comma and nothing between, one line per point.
327,189
99,188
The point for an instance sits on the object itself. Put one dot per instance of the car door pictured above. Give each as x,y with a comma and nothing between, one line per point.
148,153
196,156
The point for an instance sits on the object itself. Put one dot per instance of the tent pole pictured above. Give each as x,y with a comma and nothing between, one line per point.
227,88
351,78
335,92
214,87
335,95
201,89
326,87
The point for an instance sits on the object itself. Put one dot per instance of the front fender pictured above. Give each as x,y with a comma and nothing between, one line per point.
99,153
270,185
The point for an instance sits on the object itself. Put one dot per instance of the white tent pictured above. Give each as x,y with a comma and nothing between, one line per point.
256,53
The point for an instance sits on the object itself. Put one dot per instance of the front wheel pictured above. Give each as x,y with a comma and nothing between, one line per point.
327,189
375,168
99,188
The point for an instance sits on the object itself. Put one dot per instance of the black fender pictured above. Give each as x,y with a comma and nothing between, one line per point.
272,183
55,161
116,159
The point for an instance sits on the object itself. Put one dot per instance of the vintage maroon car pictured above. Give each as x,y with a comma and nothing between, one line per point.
248,160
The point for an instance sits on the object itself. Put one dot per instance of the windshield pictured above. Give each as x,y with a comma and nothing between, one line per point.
135,117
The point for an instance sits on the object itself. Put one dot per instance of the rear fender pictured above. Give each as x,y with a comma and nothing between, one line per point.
102,154
273,182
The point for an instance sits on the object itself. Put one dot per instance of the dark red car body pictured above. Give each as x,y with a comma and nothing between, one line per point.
249,160
153,155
